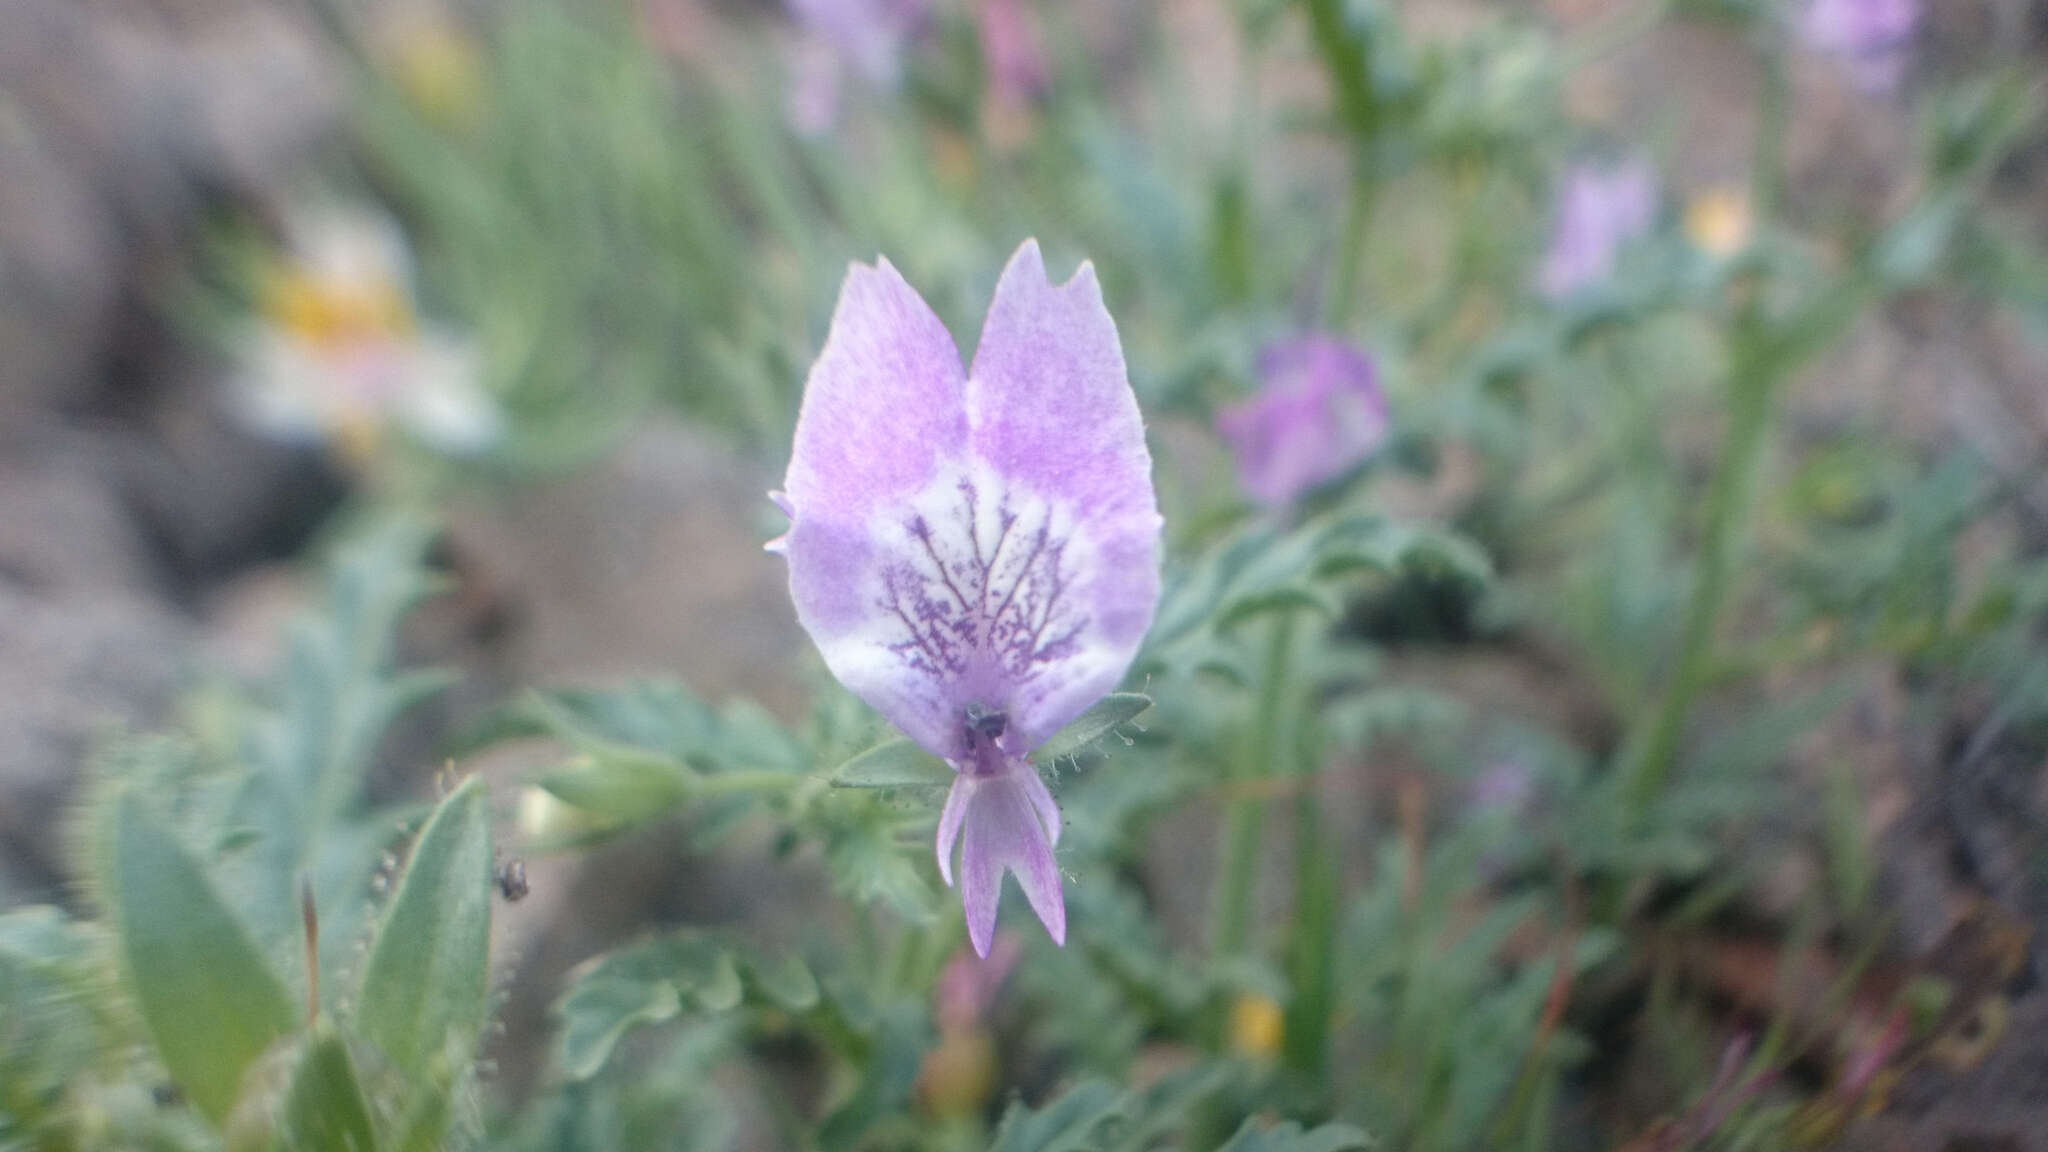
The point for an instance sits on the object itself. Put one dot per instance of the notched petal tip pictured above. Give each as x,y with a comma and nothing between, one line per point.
1030,258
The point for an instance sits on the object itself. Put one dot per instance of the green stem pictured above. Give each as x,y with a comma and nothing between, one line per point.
1311,939
1347,62
1231,214
740,783
1758,363
1245,817
1346,51
1753,382
1357,215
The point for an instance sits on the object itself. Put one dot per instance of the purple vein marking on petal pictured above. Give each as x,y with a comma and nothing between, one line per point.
973,604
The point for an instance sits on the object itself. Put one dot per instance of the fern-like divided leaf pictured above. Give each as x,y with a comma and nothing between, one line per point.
660,979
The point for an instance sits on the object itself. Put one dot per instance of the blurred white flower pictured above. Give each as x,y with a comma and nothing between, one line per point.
336,352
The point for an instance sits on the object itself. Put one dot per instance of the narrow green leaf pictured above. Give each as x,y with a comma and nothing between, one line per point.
1103,718
896,763
324,1108
211,1002
426,986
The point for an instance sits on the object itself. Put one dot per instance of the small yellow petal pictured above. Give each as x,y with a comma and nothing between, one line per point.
1717,220
329,313
1256,1025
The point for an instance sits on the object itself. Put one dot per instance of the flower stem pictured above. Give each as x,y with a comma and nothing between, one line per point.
743,782
1357,215
1305,1037
1346,49
1245,818
1756,366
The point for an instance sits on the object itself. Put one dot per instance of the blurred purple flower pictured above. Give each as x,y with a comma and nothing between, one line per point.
864,38
1011,53
967,989
1874,37
1319,413
1599,211
976,554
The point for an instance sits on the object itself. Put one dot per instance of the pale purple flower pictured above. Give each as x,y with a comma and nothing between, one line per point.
1011,53
976,554
841,38
1599,211
1874,37
1318,414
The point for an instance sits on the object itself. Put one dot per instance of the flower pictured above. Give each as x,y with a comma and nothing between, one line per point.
976,554
1011,53
1319,413
1600,210
1717,220
1018,75
1874,37
862,37
338,350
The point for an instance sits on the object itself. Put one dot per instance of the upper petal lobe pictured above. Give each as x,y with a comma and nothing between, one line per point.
883,410
1050,409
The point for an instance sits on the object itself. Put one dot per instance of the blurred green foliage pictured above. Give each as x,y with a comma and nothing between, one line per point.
1416,958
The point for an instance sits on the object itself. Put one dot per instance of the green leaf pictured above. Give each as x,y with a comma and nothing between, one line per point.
602,1007
1290,1137
1283,598
426,1126
786,983
426,986
324,1107
654,716
48,981
864,854
1107,714
898,763
1080,1120
211,1002
897,1034
658,980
